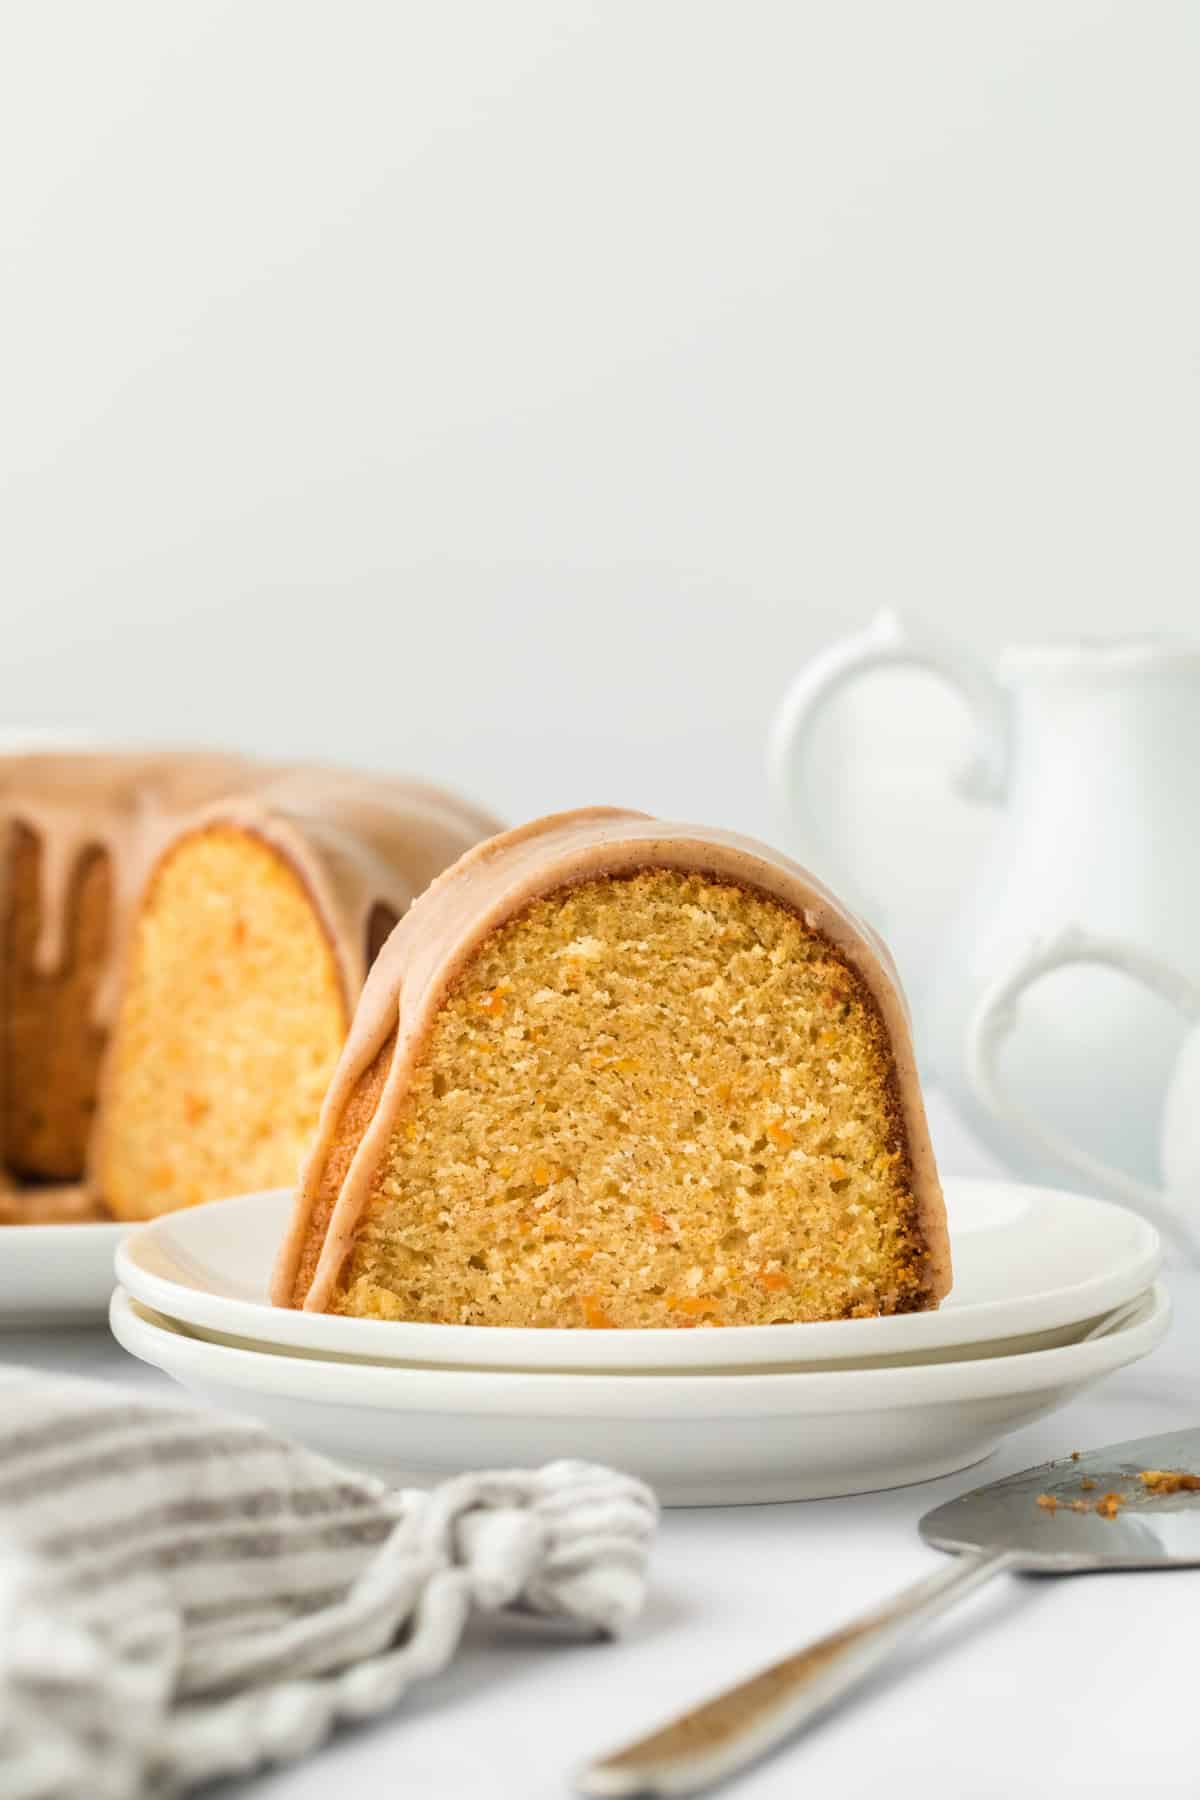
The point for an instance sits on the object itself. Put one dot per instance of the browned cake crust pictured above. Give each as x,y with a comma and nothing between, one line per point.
431,1038
359,1110
80,833
51,1045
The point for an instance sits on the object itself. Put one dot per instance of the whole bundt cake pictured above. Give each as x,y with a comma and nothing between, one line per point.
615,1072
183,938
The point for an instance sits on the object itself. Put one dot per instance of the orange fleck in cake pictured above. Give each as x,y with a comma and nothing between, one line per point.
183,937
614,1072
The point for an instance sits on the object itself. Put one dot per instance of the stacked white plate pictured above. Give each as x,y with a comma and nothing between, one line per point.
1052,1291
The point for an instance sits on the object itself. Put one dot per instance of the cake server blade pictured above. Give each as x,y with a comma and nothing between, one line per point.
1127,1506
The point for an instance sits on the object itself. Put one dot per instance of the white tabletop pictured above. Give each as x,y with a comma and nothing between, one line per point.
1032,1688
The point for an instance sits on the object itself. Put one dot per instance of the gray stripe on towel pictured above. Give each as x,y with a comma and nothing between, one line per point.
138,1454
255,1503
259,1546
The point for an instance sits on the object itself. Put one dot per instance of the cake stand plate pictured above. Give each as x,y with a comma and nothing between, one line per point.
56,1274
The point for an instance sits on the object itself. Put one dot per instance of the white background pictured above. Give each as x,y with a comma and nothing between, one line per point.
517,393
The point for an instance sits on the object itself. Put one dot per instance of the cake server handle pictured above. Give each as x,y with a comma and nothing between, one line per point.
726,1734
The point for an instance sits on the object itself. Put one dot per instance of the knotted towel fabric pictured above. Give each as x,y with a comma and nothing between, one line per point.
184,1595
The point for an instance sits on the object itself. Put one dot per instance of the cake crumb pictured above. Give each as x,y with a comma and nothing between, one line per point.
1107,1506
1087,1484
1075,1455
1169,1481
668,1176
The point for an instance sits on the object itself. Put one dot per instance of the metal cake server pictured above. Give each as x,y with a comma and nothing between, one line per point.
1103,1516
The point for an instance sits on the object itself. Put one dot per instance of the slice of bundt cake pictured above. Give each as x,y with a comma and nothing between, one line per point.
183,938
612,1072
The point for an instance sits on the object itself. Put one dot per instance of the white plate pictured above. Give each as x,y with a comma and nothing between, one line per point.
1028,1262
56,1274
698,1439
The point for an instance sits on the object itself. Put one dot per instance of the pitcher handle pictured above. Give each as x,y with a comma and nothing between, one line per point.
888,642
994,1019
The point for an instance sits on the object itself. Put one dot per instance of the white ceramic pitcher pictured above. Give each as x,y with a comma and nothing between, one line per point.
1089,753
1176,1208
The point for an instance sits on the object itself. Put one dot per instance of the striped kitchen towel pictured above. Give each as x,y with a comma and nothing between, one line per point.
184,1595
